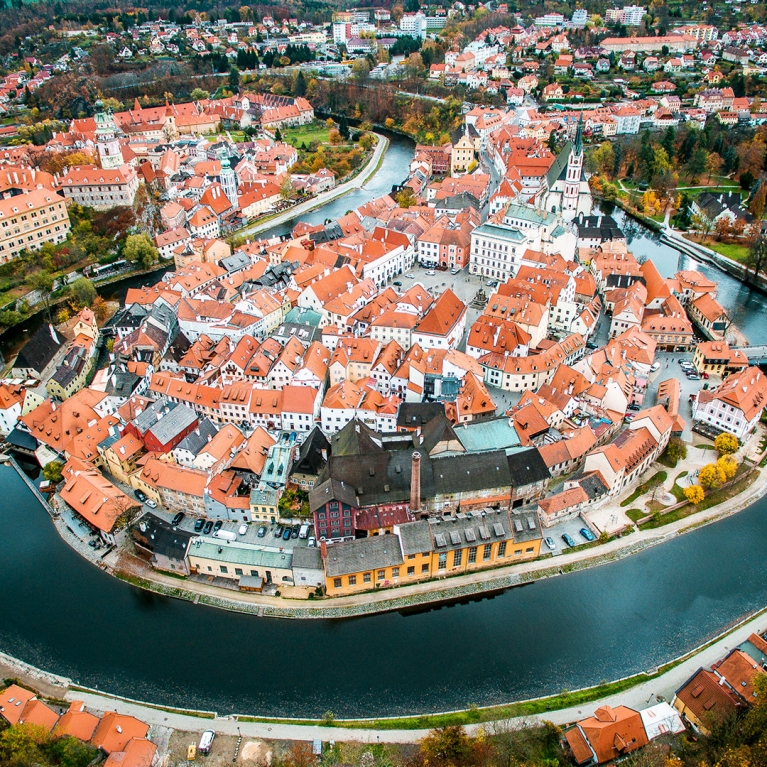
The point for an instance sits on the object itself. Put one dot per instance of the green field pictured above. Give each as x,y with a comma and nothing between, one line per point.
730,250
305,134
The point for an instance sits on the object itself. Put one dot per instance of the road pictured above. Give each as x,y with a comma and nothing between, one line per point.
324,197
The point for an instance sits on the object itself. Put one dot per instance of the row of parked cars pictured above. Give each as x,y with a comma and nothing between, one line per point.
690,371
568,539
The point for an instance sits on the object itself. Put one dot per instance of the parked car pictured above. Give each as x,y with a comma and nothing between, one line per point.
208,527
587,534
312,542
217,525
454,270
693,377
177,519
568,540
151,503
397,283
262,531
206,741
286,534
140,495
410,276
634,406
198,525
550,543
294,532
278,532
242,530
655,366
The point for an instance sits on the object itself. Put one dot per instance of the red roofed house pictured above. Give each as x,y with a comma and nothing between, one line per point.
609,734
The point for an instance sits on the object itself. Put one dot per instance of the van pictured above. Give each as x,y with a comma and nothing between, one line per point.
206,741
304,531
227,535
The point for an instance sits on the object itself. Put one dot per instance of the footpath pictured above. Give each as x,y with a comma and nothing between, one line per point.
446,589
324,198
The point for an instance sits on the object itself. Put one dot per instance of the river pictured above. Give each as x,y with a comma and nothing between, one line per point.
64,615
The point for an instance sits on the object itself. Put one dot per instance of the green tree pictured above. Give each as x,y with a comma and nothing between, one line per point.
676,450
299,86
199,94
604,158
697,164
446,746
83,291
139,249
234,80
42,282
52,471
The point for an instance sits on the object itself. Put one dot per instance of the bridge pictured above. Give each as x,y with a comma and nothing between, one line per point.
757,355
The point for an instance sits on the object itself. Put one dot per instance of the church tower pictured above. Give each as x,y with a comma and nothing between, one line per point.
110,154
229,182
574,174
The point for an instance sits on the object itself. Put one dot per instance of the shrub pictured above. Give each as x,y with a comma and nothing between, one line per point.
711,476
694,494
726,443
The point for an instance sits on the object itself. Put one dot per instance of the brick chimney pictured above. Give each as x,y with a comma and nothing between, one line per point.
415,483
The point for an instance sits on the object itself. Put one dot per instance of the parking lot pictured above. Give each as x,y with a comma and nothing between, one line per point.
571,527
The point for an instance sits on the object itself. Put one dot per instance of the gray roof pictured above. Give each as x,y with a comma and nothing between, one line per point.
414,414
559,168
525,524
603,227
235,262
196,440
161,538
39,350
416,537
331,490
310,457
364,554
489,434
471,529
165,420
263,496
504,232
307,557
527,467
240,553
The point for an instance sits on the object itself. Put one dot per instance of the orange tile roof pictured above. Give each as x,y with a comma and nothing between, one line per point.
115,731
13,699
77,723
40,715
138,753
613,732
740,670
443,315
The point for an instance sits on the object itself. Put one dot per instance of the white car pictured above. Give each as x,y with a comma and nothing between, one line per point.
243,529
151,503
312,542
430,272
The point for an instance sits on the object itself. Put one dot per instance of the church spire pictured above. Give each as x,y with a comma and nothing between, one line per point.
579,135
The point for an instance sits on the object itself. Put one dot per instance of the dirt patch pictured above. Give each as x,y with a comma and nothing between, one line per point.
221,751
256,751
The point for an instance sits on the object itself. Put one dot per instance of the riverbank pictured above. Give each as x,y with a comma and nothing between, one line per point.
360,179
412,597
637,691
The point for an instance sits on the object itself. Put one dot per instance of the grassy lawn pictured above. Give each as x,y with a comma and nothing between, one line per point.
730,250
305,134
635,514
677,491
645,487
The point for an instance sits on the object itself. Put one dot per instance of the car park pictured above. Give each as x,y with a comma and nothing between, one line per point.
198,525
217,525
262,531
587,534
177,519
550,543
208,527
568,540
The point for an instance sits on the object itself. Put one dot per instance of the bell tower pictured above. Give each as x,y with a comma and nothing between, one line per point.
110,154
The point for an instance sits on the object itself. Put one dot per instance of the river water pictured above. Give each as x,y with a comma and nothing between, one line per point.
63,614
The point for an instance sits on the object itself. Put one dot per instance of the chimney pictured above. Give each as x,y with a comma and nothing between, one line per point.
415,482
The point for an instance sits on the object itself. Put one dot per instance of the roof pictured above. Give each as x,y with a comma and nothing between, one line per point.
165,420
613,732
380,551
705,698
77,723
240,553
115,731
527,467
313,453
138,753
13,699
39,350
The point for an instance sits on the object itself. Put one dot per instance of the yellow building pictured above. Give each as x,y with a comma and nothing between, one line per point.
263,505
462,155
433,548
236,559
121,457
29,219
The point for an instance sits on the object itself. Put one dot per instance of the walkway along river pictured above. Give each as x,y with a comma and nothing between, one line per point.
64,615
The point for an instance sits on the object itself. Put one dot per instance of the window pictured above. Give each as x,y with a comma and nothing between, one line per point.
457,556
366,577
486,553
352,580
238,571
502,549
442,561
529,550
223,569
395,572
254,573
424,568
517,552
336,583
472,555
381,575
411,571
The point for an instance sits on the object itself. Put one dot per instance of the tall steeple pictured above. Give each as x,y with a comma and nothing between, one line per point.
574,175
229,181
579,135
110,154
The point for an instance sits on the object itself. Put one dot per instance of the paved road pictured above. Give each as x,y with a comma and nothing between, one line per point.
324,197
